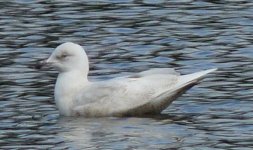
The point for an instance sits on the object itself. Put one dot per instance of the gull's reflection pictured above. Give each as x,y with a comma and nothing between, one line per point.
121,132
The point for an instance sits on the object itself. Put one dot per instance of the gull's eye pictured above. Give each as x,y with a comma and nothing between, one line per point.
62,56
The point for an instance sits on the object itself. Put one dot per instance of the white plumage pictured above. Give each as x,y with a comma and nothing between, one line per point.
147,92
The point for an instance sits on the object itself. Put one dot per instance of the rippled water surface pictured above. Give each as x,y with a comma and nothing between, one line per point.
122,37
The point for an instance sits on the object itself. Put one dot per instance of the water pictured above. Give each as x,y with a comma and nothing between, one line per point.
122,37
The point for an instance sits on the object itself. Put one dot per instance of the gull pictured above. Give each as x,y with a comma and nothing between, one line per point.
145,93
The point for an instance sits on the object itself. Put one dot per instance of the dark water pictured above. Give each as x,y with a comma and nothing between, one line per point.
122,37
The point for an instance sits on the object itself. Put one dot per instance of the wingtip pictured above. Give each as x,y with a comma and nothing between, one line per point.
197,76
211,70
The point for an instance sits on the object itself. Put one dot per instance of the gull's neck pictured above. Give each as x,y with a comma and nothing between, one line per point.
68,84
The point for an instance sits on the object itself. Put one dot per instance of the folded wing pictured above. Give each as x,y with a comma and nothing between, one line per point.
147,92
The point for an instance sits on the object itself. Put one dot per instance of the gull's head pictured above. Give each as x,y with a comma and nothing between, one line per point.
69,57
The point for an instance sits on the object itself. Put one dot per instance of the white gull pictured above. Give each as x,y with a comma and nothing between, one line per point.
147,92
